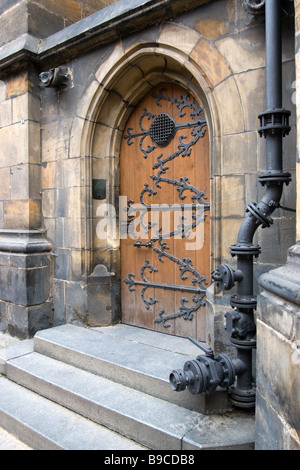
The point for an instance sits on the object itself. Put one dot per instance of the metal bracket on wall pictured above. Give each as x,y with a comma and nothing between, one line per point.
255,6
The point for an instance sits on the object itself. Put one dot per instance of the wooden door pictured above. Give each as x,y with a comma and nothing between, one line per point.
165,225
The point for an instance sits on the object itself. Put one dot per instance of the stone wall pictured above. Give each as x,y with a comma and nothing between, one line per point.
82,126
55,141
24,252
72,135
43,17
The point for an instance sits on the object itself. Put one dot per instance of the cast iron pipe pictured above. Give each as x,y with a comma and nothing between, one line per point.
236,374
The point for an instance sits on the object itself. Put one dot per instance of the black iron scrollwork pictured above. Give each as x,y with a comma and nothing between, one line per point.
162,130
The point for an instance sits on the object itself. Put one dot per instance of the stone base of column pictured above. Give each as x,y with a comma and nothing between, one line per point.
25,282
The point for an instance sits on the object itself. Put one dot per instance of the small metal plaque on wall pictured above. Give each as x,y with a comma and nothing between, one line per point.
99,189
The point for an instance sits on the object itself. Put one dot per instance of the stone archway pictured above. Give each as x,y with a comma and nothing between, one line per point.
120,83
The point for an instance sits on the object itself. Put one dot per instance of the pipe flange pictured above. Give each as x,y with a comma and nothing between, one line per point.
277,177
274,121
200,376
238,301
261,218
245,250
242,398
228,370
243,343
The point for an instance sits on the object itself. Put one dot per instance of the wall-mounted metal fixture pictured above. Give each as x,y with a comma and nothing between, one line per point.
207,372
99,189
54,77
254,5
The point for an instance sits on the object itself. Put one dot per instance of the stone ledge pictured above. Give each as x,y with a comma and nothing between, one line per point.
285,281
24,241
107,25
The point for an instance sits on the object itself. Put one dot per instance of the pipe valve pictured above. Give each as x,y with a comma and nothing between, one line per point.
225,277
205,373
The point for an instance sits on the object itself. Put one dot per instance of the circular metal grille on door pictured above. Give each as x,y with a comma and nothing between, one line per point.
162,129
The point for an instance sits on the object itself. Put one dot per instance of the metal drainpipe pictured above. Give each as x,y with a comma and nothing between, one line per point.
207,372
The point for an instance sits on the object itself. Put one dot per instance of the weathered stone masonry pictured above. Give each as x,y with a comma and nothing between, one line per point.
54,141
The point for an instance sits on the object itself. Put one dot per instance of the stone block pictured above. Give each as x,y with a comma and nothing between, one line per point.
24,322
43,22
25,181
25,279
59,232
230,229
74,203
5,189
213,28
127,82
59,307
17,85
62,264
14,145
76,303
179,37
232,196
73,233
216,335
103,295
229,100
5,113
277,313
68,9
212,63
72,172
267,419
48,204
278,373
34,137
91,6
281,437
24,107
251,85
3,315
110,110
52,175
12,22
151,62
54,145
244,51
276,240
76,265
239,153
48,147
60,208
102,142
22,214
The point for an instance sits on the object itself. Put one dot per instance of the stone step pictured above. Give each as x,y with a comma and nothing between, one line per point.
44,425
135,357
150,421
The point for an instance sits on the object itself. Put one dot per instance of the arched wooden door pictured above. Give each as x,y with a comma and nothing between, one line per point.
165,224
